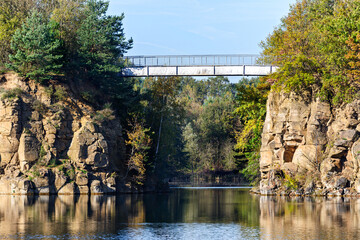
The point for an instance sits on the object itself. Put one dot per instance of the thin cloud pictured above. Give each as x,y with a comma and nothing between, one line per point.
159,46
211,33
154,14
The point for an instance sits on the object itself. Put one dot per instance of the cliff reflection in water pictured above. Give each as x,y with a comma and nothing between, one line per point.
44,215
309,218
226,213
93,215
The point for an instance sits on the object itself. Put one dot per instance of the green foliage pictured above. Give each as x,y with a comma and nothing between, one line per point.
53,163
201,113
291,182
49,91
101,42
251,109
42,152
252,169
35,48
68,14
139,142
70,172
60,93
12,14
11,93
87,96
106,114
316,48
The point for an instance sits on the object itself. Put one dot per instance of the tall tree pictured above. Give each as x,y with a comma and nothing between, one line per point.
35,48
102,43
68,14
139,142
13,14
250,109
313,48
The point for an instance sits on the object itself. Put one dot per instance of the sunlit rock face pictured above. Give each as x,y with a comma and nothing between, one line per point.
52,146
309,146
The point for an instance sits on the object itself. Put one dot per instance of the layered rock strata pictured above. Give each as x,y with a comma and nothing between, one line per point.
52,146
310,147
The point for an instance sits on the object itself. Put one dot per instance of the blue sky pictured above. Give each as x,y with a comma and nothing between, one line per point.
172,27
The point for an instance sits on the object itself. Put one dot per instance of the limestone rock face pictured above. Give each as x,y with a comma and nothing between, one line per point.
54,147
309,142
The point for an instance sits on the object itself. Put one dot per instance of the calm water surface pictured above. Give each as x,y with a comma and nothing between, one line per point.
197,213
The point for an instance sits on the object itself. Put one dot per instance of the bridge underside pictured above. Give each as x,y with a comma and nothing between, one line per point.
158,71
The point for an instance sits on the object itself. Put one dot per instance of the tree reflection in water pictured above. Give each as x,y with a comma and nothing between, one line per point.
203,212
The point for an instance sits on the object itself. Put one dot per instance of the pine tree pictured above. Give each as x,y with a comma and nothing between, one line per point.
101,42
35,48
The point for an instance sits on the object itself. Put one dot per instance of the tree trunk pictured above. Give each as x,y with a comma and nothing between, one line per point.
158,140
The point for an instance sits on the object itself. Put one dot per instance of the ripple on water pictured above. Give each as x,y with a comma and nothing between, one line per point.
152,231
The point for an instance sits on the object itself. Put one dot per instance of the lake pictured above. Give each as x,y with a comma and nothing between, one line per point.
185,213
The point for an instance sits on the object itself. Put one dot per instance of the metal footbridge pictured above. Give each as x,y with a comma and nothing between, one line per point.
195,65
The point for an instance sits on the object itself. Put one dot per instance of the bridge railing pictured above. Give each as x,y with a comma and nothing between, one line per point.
192,60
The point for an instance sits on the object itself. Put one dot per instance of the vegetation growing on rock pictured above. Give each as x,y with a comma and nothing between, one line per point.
311,130
316,47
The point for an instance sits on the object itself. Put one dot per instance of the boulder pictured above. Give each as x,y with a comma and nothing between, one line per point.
307,157
69,189
89,148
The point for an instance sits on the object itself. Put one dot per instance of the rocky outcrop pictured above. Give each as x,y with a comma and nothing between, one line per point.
52,145
310,147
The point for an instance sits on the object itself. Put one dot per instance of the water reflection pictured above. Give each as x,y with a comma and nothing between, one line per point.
117,215
309,218
182,214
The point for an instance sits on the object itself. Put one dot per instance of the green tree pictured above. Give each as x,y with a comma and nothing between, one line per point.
12,14
251,110
207,135
313,48
69,14
165,115
102,43
35,48
139,142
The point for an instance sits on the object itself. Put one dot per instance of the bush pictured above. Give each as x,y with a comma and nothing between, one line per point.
87,96
39,106
106,114
11,93
60,93
291,182
49,91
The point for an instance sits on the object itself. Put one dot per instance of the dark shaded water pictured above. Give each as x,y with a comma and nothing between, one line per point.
211,213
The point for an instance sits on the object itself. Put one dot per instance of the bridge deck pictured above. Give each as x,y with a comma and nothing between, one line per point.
196,65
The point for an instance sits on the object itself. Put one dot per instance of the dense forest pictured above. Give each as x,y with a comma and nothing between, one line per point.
174,126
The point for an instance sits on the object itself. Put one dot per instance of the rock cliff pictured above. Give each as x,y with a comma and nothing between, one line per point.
310,147
51,144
